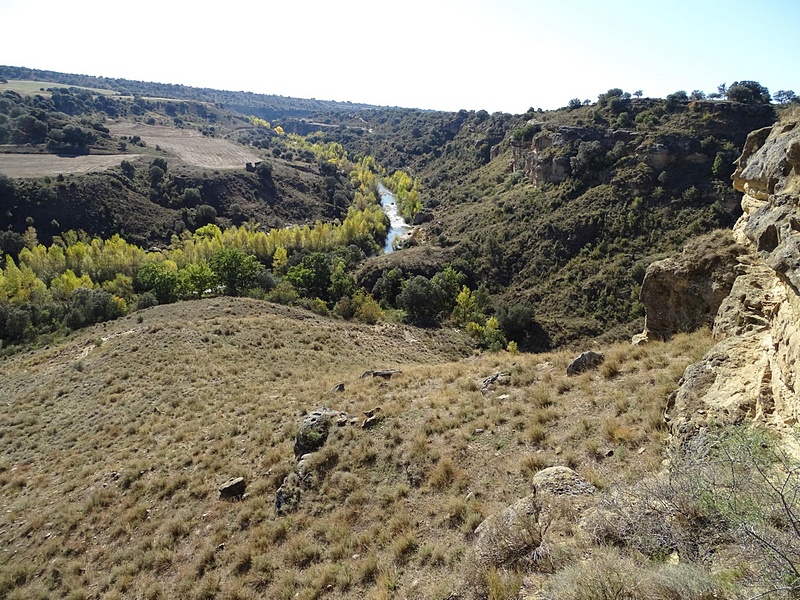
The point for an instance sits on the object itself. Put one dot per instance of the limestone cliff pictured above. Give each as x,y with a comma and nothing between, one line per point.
753,373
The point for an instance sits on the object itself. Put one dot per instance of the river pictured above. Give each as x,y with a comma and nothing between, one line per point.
398,228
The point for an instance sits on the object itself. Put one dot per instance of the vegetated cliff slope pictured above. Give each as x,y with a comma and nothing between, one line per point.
148,213
753,373
565,209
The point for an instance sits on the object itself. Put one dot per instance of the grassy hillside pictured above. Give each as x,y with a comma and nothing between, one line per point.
115,441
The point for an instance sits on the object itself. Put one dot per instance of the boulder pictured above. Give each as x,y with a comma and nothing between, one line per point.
233,488
561,481
288,495
585,362
493,379
511,536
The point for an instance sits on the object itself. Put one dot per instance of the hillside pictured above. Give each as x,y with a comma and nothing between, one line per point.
117,439
267,106
564,210
228,447
72,158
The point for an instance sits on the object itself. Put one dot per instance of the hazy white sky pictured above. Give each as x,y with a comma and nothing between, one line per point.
496,55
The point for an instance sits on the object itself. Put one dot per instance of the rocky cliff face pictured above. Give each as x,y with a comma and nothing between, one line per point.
753,373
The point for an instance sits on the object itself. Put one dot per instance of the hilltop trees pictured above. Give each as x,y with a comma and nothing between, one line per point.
785,96
748,92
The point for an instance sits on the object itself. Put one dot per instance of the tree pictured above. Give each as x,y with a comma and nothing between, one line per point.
192,197
127,169
467,309
264,171
784,96
697,95
388,287
159,279
574,103
674,99
516,320
748,92
638,93
449,281
342,283
422,300
312,277
234,269
156,175
590,156
196,279
204,214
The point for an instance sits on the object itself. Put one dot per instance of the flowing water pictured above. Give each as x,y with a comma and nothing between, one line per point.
398,228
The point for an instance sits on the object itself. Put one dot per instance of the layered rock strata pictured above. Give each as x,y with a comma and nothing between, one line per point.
753,373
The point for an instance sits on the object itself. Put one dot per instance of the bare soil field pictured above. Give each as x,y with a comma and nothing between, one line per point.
190,146
40,165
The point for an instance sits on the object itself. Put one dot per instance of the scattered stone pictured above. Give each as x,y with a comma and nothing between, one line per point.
490,381
288,495
366,374
233,488
371,412
609,453
504,396
339,387
585,362
370,422
562,481
386,374
479,430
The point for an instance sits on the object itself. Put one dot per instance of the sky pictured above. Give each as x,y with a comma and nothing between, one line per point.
496,55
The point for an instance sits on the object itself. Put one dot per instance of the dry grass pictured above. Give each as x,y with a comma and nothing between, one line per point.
112,456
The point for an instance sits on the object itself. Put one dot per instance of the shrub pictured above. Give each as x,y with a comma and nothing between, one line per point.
146,300
283,293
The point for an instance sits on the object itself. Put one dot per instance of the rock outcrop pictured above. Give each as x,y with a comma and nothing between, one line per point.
311,437
684,292
754,370
314,430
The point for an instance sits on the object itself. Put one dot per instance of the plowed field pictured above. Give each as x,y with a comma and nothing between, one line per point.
190,146
39,165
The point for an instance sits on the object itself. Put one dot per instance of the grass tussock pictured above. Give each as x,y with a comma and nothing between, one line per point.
110,472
